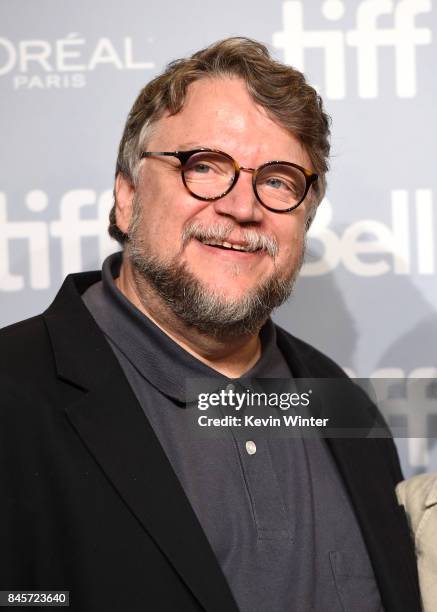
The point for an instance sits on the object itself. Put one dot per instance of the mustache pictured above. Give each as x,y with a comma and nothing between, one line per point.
253,239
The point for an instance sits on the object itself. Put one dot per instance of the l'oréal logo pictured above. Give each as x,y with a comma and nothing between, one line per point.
64,62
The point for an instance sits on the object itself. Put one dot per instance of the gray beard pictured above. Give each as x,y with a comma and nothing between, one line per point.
209,313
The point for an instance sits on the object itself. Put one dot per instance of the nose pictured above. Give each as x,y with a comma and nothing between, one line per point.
241,203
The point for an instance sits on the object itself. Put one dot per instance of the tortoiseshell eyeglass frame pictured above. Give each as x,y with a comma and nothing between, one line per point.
184,156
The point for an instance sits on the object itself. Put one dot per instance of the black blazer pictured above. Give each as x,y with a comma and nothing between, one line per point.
90,503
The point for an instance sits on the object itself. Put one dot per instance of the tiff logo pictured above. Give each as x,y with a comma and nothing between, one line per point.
405,246
69,229
367,37
416,403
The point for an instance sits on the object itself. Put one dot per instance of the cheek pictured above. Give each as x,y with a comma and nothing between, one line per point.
155,203
291,240
160,228
164,217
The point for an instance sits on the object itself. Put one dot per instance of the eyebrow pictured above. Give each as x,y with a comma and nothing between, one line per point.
194,145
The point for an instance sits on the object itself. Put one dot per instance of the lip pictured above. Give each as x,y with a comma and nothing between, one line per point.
229,254
235,242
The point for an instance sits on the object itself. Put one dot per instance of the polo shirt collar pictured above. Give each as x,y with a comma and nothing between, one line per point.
158,358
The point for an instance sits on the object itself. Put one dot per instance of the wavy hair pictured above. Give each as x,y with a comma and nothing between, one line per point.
280,89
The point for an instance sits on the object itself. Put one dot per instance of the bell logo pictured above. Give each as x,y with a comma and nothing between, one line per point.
390,248
366,38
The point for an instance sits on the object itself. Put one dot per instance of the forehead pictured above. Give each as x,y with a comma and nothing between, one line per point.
219,113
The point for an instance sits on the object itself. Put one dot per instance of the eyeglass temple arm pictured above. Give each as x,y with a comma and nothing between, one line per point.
151,153
182,156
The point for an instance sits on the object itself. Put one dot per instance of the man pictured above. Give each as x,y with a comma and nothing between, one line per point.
105,491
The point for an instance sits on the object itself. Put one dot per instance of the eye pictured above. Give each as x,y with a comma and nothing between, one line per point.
200,168
276,183
280,185
208,165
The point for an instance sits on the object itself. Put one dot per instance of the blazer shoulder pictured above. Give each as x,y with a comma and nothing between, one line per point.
308,362
26,348
24,333
25,352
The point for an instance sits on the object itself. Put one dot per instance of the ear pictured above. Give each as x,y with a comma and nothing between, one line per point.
124,196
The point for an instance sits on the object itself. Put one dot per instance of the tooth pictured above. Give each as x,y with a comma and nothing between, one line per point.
228,245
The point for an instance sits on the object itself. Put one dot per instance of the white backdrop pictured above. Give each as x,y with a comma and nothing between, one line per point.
69,73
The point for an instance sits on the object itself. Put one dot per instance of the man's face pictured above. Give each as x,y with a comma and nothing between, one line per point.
218,114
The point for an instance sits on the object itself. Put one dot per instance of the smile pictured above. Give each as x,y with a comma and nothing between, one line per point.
222,244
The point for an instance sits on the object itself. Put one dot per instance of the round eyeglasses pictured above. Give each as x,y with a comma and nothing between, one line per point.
208,174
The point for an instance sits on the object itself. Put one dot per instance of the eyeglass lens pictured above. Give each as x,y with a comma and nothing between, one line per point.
209,174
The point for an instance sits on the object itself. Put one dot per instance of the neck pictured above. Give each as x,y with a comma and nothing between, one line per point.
231,357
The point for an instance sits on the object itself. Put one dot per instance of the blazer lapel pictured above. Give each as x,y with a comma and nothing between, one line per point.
116,432
369,478
362,464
